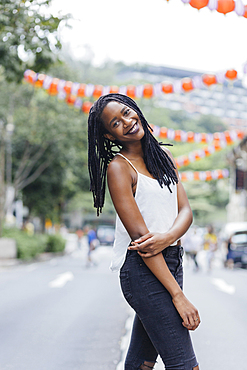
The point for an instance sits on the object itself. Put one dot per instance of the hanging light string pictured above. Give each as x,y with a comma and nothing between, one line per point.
204,175
221,6
73,93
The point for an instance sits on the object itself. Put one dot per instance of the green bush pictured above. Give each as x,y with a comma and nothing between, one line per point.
55,243
28,246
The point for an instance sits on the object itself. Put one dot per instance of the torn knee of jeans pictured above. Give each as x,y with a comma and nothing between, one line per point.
147,365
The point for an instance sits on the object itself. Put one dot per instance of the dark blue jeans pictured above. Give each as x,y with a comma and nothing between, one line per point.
157,327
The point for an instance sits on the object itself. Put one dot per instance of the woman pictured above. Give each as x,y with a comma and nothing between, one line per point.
152,214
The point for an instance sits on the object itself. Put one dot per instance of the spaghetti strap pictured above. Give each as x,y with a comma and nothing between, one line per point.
127,161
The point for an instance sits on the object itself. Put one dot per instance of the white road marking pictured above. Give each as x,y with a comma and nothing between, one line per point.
223,286
61,280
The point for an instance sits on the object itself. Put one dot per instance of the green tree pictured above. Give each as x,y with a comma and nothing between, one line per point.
28,37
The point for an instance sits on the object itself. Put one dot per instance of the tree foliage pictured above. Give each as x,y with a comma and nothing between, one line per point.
28,37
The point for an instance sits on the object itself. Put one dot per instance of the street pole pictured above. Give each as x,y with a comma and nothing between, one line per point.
2,174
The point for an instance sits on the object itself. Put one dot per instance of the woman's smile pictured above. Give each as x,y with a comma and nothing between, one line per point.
133,129
121,121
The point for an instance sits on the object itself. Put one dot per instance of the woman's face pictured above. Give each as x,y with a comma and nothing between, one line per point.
122,123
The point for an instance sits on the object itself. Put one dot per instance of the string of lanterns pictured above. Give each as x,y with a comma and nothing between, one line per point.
196,155
197,137
221,6
204,175
73,93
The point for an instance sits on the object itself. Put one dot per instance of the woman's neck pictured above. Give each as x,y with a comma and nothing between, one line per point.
133,151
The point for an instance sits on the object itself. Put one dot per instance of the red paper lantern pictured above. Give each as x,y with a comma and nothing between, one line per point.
53,87
187,84
148,91
240,134
220,174
245,11
167,88
177,135
217,145
98,90
186,160
196,175
40,80
131,91
203,138
225,6
216,136
228,137
86,106
198,4
68,86
163,132
81,90
190,137
197,156
183,176
114,89
231,74
70,100
209,80
208,176
31,77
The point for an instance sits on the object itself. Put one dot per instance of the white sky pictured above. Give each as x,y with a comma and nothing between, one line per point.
156,32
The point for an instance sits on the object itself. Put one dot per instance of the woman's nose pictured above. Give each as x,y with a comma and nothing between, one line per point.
126,122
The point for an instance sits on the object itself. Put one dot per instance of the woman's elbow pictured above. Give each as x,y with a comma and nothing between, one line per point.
190,216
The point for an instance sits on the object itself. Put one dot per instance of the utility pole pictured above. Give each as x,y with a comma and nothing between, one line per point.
2,174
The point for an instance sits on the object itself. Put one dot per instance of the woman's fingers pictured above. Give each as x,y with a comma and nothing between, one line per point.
143,238
191,323
142,245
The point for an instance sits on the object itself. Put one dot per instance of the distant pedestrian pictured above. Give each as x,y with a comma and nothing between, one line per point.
93,243
229,256
193,243
210,245
80,234
153,213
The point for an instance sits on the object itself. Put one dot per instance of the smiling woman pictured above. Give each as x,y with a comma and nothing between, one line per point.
152,214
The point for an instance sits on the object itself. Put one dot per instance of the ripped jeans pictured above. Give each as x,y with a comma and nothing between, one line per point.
157,328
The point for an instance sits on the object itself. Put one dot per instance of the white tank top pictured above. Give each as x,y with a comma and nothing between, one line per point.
158,207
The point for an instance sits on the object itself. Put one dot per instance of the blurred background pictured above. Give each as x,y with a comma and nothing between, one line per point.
187,70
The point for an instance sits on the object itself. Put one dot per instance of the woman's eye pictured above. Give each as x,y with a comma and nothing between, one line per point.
126,112
115,124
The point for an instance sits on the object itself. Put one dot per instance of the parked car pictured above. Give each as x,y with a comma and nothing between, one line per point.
235,236
106,234
237,248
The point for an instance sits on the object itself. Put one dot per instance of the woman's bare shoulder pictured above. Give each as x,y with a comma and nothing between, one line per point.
118,167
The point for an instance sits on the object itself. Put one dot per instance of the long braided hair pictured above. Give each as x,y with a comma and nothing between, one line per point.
101,150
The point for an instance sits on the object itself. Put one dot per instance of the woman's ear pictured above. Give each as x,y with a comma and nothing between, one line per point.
109,136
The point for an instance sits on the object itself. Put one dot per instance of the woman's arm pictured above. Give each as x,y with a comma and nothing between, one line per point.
120,179
153,243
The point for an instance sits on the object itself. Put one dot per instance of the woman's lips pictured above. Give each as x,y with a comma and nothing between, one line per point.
134,129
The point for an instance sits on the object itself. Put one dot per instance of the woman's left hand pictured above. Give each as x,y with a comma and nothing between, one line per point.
150,244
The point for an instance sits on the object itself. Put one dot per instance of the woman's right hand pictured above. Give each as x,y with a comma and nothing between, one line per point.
187,311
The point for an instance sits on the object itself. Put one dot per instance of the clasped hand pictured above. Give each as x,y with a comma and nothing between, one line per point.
188,313
150,244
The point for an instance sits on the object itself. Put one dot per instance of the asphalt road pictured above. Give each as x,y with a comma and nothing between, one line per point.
60,315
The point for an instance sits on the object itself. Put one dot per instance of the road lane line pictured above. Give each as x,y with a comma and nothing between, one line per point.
223,286
61,280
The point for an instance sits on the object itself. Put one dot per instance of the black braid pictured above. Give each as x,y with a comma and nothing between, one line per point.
101,150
